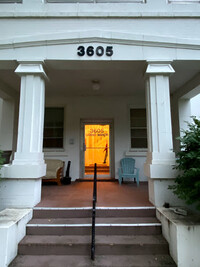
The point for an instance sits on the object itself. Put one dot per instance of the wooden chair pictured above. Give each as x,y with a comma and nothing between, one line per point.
54,172
128,170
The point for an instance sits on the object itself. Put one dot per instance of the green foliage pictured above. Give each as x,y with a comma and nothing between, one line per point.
1,159
187,183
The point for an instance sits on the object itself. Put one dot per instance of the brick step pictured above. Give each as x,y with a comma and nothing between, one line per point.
47,212
100,229
100,261
105,245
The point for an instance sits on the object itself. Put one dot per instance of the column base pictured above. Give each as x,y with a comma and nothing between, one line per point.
160,171
23,171
19,193
160,165
160,194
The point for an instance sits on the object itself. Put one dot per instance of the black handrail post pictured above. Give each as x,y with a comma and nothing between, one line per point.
94,212
95,183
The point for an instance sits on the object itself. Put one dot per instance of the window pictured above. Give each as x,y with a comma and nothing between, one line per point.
10,1
53,128
183,1
96,1
138,128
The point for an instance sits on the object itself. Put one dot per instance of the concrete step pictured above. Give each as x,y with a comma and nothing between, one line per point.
48,212
105,245
100,261
124,237
100,229
108,220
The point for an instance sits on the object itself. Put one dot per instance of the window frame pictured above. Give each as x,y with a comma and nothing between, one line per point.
183,1
139,149
49,149
95,1
10,1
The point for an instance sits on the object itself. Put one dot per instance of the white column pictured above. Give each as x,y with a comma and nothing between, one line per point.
28,160
21,181
31,114
160,157
159,119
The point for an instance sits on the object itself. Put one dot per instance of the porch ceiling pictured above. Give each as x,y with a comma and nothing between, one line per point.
73,78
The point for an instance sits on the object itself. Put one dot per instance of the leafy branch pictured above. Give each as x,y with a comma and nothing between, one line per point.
187,183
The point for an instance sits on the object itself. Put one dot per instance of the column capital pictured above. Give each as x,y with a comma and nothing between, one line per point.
31,67
159,67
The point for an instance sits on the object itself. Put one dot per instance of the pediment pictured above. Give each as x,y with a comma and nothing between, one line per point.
76,37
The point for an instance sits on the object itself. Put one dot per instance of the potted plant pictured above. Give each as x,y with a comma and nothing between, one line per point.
187,183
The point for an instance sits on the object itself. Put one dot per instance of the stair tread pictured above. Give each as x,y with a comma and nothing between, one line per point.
109,220
100,239
100,261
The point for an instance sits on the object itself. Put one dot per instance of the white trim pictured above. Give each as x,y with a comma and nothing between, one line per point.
97,208
136,153
10,1
125,208
159,68
52,208
96,225
77,13
98,36
58,225
95,1
183,1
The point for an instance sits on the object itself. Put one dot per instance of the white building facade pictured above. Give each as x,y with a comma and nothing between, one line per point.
98,63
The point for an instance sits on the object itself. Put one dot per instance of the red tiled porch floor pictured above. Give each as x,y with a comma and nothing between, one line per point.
109,194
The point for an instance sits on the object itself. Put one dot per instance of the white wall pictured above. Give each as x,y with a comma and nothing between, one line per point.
116,108
6,124
195,106
183,234
12,230
184,114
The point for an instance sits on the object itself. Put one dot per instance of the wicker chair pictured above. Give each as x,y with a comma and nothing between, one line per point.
54,172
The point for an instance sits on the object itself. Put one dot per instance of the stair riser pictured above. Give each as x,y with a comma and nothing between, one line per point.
88,213
100,230
84,249
126,213
84,261
62,213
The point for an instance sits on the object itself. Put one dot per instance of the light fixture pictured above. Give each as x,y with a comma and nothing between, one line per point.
95,85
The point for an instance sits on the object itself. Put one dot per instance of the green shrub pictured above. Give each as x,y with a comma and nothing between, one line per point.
1,158
187,183
1,161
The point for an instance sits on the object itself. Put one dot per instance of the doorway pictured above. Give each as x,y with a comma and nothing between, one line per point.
97,148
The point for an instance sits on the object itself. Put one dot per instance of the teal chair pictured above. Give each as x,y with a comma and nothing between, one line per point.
128,170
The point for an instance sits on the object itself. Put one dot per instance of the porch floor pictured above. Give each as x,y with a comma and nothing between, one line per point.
109,194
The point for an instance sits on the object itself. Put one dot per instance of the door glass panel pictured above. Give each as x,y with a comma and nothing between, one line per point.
97,149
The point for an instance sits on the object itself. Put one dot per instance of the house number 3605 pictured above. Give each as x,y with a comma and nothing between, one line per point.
91,51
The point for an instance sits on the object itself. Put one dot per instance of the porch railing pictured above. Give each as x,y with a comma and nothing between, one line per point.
94,212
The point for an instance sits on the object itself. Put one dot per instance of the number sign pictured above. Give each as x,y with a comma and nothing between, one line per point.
91,51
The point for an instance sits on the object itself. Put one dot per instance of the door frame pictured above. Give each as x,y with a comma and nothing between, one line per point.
84,122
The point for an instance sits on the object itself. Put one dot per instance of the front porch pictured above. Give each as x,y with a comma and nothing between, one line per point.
109,194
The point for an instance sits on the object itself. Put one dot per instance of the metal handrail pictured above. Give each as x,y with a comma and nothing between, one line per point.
94,212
